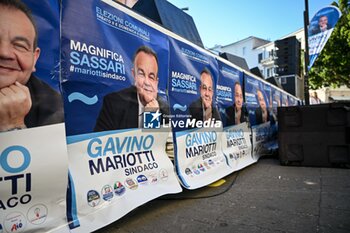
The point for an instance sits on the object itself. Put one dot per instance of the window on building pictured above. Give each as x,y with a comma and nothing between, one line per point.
243,51
283,80
274,71
268,72
260,57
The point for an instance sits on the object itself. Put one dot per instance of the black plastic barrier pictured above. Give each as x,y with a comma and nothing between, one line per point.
315,135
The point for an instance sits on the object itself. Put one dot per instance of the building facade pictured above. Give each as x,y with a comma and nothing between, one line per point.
263,55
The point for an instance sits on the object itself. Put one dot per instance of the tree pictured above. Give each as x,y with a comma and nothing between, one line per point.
332,67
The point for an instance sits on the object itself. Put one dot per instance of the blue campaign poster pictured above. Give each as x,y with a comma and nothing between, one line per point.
320,29
186,94
98,70
268,94
113,72
196,124
293,101
257,100
230,95
36,148
276,99
271,143
259,103
324,19
276,102
285,101
237,135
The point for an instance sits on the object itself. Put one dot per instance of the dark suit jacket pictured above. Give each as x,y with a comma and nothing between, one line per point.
230,115
120,110
258,116
196,111
47,106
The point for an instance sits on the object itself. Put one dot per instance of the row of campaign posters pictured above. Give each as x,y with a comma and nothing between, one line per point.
146,113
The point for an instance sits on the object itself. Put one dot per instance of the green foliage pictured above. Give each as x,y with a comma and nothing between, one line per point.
332,67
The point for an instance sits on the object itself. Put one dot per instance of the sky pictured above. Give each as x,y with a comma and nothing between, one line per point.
222,22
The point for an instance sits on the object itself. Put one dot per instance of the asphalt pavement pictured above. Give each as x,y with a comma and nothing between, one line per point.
264,197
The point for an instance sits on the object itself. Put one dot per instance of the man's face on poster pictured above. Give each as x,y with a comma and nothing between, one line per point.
206,90
238,96
323,22
145,72
261,100
17,53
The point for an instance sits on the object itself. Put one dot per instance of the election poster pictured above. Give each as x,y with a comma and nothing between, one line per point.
114,172
293,101
237,146
251,88
33,152
271,143
320,29
257,93
112,71
33,180
230,95
285,99
114,81
43,105
276,102
195,119
192,82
